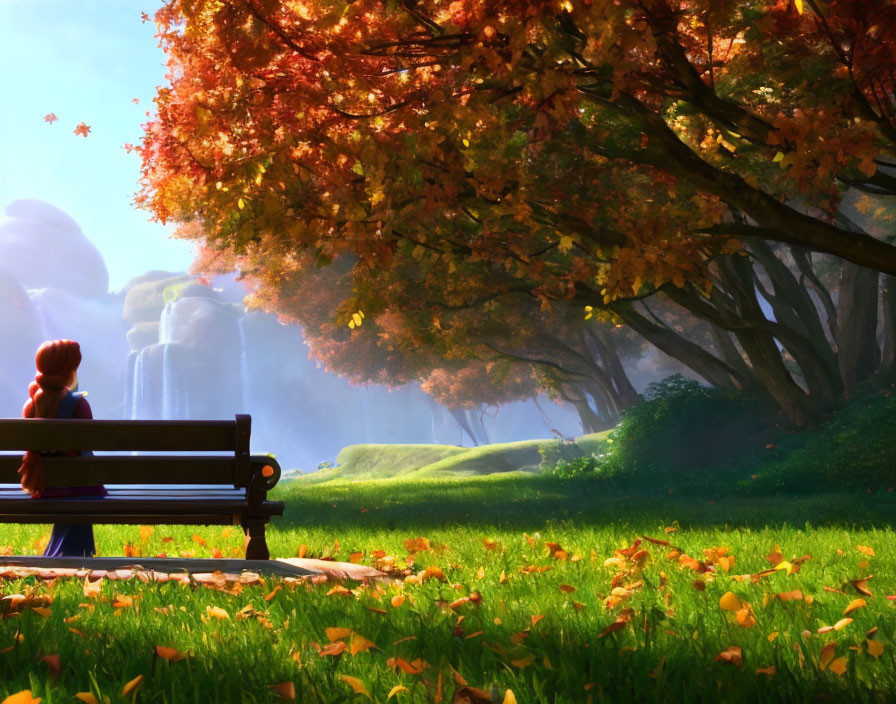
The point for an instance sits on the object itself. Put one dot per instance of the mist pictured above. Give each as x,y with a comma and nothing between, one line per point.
167,347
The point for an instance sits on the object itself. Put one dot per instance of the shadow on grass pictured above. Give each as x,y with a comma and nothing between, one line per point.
529,502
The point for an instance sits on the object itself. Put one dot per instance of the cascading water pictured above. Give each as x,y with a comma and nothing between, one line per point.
166,324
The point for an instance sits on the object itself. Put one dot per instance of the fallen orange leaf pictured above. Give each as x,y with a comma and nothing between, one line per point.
169,654
23,697
770,671
853,605
285,690
131,686
334,634
398,600
865,550
875,648
334,649
838,666
827,655
745,617
732,655
796,594
395,690
842,623
53,664
730,602
509,697
216,612
360,644
86,697
355,684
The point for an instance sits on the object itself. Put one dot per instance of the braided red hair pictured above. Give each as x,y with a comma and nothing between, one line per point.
56,362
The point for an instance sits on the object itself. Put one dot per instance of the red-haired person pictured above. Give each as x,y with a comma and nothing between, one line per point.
52,395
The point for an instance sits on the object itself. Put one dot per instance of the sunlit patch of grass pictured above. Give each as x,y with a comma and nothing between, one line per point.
520,596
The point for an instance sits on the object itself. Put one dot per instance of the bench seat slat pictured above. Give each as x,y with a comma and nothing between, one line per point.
112,469
135,507
46,435
185,519
139,493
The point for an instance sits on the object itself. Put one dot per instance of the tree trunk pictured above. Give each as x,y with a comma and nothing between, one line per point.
738,309
732,356
693,356
460,417
888,356
606,349
858,353
591,422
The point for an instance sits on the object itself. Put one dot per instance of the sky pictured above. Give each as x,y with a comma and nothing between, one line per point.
84,60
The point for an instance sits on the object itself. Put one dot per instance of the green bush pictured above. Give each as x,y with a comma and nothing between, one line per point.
578,467
554,453
853,450
684,427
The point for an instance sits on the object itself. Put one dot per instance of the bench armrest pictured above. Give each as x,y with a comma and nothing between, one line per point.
265,471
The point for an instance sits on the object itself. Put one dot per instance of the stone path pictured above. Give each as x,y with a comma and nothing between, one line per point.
186,570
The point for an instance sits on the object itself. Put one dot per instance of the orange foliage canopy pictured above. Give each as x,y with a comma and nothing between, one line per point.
588,149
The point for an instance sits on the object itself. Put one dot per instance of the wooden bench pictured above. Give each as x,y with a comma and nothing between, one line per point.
233,488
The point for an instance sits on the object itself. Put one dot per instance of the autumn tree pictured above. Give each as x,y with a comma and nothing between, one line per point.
597,151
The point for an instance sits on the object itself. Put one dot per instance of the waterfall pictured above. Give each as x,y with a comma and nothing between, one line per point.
138,386
166,334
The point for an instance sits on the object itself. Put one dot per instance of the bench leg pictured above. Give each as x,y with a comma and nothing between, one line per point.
256,545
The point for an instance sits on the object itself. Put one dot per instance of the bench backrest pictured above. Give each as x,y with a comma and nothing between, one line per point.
237,467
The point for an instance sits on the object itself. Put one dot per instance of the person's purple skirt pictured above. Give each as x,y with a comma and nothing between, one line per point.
71,539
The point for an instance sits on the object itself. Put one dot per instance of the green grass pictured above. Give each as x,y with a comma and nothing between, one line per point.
665,652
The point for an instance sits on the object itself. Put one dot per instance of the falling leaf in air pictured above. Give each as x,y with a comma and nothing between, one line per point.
50,118
355,684
82,129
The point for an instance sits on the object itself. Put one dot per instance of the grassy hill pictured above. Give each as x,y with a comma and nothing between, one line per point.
366,462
